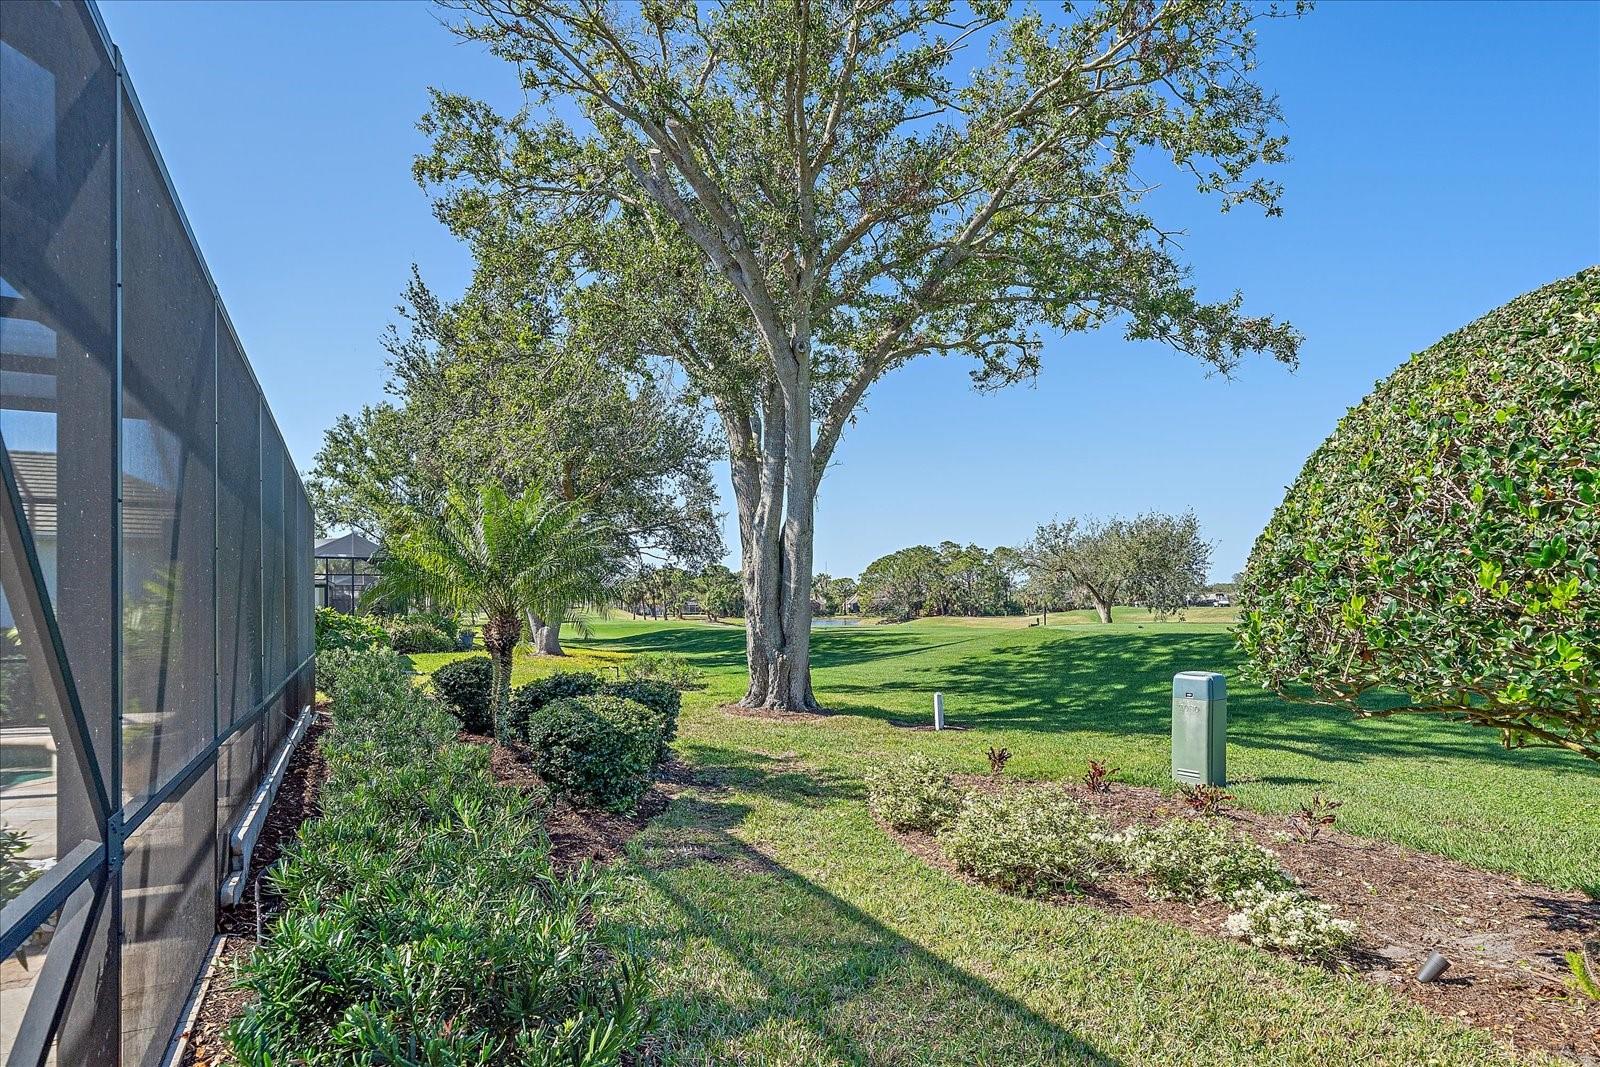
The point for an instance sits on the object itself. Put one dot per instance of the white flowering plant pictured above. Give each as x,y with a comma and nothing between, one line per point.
912,794
1289,920
1028,840
1198,859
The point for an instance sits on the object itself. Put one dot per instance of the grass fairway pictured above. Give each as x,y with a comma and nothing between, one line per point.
785,928
1059,697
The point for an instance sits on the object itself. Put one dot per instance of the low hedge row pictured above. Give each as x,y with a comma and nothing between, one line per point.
418,632
425,923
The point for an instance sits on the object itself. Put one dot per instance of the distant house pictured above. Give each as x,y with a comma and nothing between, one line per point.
343,571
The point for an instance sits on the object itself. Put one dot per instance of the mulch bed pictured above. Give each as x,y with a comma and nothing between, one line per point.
1506,939
296,802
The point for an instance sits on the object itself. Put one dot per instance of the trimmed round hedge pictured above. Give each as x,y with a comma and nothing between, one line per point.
661,698
1442,543
597,750
466,688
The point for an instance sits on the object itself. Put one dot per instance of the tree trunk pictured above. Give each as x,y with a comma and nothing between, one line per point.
500,636
1103,607
772,488
545,635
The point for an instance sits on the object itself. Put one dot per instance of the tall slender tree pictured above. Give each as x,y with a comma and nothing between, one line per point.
793,199
489,553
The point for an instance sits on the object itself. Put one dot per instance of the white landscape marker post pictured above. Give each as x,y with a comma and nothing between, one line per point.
938,711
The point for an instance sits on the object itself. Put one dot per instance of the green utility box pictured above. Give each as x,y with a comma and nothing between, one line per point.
1200,728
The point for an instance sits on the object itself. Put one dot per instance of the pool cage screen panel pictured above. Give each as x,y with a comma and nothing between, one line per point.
155,564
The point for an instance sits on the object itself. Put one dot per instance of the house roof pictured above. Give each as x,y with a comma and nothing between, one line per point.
147,509
345,546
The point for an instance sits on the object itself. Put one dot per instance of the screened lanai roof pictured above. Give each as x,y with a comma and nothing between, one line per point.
345,546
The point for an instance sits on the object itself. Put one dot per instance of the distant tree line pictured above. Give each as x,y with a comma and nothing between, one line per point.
1155,561
672,592
951,579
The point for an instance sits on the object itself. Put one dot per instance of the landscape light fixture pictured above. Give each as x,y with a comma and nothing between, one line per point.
1435,966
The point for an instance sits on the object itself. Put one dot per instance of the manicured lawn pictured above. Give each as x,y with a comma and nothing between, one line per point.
527,668
784,927
1059,697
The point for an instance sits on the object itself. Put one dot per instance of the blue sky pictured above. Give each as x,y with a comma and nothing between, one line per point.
1446,158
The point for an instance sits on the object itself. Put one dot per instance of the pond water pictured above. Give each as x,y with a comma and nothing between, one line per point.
820,623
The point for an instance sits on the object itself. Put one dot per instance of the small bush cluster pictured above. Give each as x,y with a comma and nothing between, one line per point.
1040,840
465,687
335,629
1313,817
660,697
912,794
527,700
598,750
998,758
412,635
1288,920
334,665
424,922
1197,859
1027,840
1099,775
1205,799
668,667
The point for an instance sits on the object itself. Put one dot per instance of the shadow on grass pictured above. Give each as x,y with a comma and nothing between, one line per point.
867,994
711,648
1114,683
1120,683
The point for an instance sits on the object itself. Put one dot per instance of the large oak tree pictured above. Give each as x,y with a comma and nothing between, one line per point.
794,199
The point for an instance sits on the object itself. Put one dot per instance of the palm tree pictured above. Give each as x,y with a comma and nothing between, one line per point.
489,553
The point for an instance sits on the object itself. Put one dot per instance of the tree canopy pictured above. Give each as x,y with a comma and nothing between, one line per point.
951,579
1444,542
791,200
493,387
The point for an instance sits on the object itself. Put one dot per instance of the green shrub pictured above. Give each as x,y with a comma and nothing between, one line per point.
335,663
335,629
1444,542
1030,840
668,667
16,873
527,700
1199,859
595,750
660,698
424,923
1289,920
465,687
912,794
409,637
